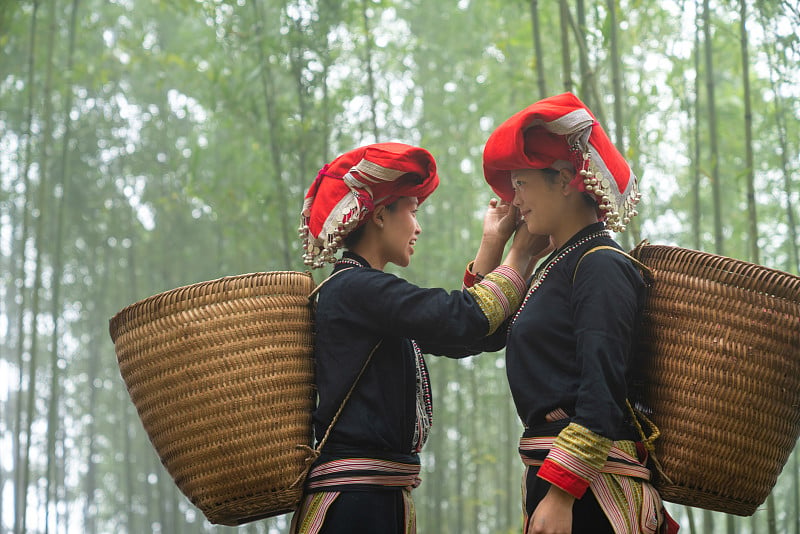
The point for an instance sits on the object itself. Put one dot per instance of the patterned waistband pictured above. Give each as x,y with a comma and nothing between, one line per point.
355,473
621,460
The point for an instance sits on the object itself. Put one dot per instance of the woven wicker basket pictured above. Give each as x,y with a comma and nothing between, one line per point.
221,374
723,378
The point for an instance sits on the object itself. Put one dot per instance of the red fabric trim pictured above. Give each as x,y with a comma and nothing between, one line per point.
469,276
563,478
670,526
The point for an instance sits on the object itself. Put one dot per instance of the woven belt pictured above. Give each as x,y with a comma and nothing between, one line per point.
534,450
338,475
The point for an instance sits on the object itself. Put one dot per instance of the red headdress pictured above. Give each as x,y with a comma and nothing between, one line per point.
352,185
561,132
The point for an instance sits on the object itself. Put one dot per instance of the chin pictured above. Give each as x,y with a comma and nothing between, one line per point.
403,262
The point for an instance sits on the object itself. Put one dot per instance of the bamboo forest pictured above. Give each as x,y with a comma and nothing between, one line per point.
147,145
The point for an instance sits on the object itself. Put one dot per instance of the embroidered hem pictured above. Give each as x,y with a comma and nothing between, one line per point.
622,487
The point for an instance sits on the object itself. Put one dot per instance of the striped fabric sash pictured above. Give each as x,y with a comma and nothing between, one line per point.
340,474
623,489
327,480
534,450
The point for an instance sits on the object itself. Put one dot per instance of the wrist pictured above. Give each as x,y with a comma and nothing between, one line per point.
493,241
518,260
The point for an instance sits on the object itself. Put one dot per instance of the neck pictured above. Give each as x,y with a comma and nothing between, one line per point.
369,254
573,226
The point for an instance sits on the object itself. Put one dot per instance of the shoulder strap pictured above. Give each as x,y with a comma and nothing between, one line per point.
316,289
646,271
314,453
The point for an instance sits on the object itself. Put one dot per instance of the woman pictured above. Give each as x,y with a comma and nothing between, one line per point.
366,201
569,348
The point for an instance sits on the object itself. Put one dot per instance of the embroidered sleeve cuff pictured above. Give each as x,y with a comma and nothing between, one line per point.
576,458
499,294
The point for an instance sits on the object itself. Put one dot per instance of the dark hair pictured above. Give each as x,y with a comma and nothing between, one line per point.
551,175
352,239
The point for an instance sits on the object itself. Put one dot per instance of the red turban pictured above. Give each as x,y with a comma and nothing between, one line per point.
352,185
561,132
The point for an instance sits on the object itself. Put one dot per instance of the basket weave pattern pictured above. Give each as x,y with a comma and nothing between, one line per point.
221,374
722,378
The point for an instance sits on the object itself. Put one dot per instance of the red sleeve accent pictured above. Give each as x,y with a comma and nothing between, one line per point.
469,276
563,478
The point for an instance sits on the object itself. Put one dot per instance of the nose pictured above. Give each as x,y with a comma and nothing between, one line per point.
417,228
516,202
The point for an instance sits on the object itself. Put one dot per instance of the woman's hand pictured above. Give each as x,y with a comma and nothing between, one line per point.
499,221
536,246
553,515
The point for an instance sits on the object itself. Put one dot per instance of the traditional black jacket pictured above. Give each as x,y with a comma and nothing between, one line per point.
361,306
569,354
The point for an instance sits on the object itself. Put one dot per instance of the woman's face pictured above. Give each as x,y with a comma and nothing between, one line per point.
538,199
400,231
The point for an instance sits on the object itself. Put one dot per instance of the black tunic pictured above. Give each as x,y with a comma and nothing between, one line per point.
570,346
356,309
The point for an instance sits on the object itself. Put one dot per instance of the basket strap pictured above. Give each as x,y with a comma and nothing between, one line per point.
314,453
316,289
636,415
646,271
648,441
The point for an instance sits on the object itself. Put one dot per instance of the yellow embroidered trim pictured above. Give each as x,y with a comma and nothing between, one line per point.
581,451
498,296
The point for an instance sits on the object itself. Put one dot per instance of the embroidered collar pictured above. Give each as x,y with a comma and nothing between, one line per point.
591,232
591,229
351,259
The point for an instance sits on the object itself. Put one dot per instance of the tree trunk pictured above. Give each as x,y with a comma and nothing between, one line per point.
54,481
619,98
696,232
440,469
566,63
586,74
748,137
719,246
38,246
370,76
793,262
708,522
274,130
474,457
537,50
794,505
92,502
460,453
589,91
303,143
19,467
690,517
772,523
730,525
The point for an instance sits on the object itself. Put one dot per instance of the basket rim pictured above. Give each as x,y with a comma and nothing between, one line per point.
770,281
188,292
